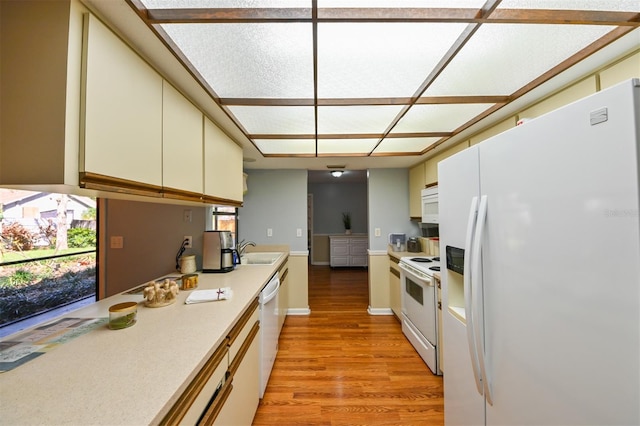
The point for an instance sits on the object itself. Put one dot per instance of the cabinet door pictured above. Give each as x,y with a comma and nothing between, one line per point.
121,133
244,371
283,296
181,142
222,165
416,183
358,247
394,285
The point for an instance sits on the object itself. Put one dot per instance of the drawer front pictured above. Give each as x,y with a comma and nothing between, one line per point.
340,250
339,261
239,333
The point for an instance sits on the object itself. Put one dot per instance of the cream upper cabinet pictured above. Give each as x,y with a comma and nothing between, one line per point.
222,165
416,183
41,45
121,130
182,138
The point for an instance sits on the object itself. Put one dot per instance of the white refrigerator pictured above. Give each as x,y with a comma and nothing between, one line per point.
539,232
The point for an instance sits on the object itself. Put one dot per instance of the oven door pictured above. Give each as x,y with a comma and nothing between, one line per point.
419,302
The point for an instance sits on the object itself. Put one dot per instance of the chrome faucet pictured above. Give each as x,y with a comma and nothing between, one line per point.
242,246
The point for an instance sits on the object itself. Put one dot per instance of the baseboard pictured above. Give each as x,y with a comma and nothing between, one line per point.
298,311
320,263
379,311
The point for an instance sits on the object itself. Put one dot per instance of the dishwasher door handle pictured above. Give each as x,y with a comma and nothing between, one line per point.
270,291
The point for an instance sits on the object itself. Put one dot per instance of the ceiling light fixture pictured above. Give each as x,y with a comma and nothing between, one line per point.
336,173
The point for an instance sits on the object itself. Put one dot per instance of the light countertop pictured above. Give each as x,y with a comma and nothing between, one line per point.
134,375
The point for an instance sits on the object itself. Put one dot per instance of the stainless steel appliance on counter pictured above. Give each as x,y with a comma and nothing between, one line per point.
420,307
217,251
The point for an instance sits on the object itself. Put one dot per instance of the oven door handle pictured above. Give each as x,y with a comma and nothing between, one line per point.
426,280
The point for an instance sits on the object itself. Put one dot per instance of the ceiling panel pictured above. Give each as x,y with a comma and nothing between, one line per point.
275,119
373,60
355,119
290,146
401,3
272,60
205,4
395,145
502,58
438,118
617,5
344,146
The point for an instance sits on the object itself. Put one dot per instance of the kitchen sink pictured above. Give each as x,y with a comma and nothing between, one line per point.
260,258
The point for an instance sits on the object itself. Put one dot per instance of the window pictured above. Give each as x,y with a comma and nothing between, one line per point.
225,219
47,256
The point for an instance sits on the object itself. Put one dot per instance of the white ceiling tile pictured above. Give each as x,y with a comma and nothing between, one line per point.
275,119
286,146
502,58
611,5
394,145
272,60
476,4
355,119
438,118
202,4
369,60
344,146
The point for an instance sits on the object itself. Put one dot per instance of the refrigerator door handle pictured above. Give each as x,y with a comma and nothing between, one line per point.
476,293
468,292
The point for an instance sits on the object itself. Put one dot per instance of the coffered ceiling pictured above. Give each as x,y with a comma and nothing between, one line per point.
376,78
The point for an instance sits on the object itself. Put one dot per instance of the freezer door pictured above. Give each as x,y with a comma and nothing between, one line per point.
561,266
458,181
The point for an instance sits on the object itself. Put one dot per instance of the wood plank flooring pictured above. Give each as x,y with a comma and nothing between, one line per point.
342,366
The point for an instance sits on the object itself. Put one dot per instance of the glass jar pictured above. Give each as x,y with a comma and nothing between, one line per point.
122,315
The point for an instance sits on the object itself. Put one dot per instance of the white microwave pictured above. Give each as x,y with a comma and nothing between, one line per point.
430,205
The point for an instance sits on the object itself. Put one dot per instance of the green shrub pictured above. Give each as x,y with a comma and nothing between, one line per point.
81,237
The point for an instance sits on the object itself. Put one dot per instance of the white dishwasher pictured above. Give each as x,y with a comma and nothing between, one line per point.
269,332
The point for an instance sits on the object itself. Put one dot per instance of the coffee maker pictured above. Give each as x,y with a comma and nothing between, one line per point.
217,251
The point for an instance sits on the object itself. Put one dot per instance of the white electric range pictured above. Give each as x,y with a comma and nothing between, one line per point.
419,306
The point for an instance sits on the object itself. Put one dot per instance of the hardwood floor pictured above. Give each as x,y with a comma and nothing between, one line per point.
342,366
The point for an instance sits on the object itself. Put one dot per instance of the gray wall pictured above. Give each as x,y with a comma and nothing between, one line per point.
331,199
389,206
276,199
152,236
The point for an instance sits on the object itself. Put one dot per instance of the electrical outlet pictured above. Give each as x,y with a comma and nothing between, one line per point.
377,232
269,232
117,242
189,239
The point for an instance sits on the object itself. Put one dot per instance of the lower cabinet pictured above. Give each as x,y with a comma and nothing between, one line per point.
244,372
395,296
348,250
226,390
283,295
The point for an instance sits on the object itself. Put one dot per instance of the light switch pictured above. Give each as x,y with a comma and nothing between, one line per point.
269,232
298,232
186,215
377,232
